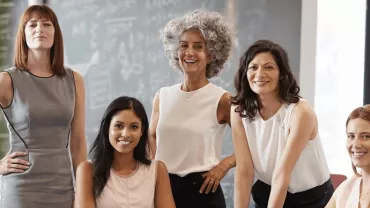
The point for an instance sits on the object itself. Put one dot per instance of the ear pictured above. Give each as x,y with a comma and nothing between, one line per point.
209,59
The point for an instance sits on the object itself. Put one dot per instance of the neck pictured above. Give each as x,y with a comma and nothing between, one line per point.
268,105
124,162
39,61
192,83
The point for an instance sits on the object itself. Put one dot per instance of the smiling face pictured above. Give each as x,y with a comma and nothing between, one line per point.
125,130
39,33
263,74
358,142
192,53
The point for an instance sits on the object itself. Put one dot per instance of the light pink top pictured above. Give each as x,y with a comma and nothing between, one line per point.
347,194
132,191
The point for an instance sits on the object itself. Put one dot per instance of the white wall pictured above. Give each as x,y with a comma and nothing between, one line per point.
332,67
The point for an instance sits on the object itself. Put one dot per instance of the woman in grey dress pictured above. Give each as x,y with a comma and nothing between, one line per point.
44,105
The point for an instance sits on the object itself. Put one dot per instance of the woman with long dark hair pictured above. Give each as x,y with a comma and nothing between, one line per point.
275,135
120,173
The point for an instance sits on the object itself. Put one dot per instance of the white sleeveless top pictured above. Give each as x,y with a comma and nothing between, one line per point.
136,190
189,137
267,141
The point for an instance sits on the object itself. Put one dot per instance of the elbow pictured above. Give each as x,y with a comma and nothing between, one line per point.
244,172
281,179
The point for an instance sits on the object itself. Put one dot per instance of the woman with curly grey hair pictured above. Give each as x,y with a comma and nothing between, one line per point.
189,119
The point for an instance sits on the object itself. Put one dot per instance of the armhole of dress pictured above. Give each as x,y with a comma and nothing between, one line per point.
216,107
155,173
12,100
287,119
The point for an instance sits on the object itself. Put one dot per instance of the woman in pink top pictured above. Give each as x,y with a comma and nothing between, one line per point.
355,192
120,174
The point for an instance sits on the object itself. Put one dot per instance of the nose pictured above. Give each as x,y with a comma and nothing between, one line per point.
125,133
189,51
356,142
39,28
260,72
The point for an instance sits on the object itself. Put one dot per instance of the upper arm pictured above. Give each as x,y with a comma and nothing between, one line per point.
154,117
331,203
301,126
6,92
84,185
163,193
223,109
78,139
242,152
78,122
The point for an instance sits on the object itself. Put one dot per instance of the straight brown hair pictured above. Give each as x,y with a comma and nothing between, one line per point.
56,51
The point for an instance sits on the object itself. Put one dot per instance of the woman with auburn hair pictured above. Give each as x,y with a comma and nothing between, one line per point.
355,192
275,135
44,105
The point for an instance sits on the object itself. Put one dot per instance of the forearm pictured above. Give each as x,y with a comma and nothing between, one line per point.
152,148
243,188
229,161
78,153
279,188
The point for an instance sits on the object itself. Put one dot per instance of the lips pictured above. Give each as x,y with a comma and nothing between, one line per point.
124,142
190,61
261,83
358,154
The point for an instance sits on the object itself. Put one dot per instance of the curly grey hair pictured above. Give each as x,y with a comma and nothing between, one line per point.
216,31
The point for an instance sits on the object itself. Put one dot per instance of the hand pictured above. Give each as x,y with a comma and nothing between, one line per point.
11,164
213,178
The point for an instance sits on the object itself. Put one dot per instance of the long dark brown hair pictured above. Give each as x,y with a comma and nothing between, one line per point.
102,152
246,99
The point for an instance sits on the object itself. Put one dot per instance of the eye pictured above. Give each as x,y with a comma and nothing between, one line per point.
135,126
183,46
366,137
118,126
32,25
254,67
351,137
270,67
198,47
47,24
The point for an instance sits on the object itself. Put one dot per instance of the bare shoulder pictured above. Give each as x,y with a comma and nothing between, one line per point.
225,99
78,77
85,167
161,168
303,109
5,79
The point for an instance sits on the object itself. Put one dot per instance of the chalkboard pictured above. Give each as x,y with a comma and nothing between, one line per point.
10,11
115,45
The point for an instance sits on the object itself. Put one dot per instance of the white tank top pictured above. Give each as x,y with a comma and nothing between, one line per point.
267,141
189,137
136,190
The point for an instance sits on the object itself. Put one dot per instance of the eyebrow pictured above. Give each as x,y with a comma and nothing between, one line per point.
183,41
135,122
43,20
264,63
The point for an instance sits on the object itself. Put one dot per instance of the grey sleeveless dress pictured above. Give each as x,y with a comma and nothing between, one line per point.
39,122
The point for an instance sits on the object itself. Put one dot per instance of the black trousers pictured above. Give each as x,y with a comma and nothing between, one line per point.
186,194
316,197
